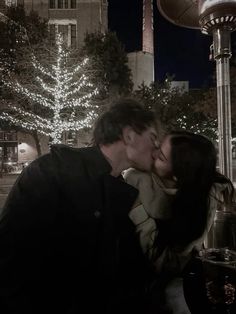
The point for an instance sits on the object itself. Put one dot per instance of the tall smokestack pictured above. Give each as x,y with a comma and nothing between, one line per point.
141,62
148,26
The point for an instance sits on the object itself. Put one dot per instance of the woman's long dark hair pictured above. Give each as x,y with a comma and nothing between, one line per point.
193,159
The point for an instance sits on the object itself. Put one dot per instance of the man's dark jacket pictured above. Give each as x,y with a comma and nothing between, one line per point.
66,242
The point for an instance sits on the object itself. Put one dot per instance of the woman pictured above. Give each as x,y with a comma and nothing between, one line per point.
178,201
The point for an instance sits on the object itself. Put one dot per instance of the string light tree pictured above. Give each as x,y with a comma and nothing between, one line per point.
63,90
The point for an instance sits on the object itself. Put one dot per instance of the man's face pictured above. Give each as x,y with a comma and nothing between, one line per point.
141,149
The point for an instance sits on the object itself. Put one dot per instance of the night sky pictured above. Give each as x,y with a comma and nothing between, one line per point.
180,51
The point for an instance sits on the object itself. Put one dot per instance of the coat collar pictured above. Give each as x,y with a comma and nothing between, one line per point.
97,162
118,194
92,157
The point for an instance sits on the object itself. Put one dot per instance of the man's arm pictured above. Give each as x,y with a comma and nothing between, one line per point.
23,225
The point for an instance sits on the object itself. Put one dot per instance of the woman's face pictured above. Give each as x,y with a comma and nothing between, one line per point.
163,164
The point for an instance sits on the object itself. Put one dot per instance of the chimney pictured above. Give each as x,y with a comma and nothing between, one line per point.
148,26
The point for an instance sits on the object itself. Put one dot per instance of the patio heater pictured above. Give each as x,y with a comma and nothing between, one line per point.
217,18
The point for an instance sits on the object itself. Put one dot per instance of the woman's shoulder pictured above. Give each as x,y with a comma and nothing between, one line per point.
132,172
136,177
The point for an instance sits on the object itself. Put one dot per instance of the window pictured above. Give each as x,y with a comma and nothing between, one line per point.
8,148
73,35
73,4
1,136
52,32
59,4
68,31
9,3
52,4
70,138
63,29
8,136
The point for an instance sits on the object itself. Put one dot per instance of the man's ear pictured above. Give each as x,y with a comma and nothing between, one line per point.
128,135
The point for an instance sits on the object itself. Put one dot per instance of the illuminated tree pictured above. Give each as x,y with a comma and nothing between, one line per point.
59,98
176,109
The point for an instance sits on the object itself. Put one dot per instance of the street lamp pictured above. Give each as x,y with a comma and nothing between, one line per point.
216,17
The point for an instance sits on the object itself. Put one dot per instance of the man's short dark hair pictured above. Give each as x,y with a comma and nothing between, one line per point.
125,112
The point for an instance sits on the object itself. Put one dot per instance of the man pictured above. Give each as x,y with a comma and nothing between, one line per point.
66,242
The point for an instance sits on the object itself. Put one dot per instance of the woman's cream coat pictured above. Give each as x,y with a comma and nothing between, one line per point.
154,202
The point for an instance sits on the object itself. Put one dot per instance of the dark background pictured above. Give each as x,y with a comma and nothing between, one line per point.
180,51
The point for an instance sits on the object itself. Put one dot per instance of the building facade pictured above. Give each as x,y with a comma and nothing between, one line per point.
73,18
141,64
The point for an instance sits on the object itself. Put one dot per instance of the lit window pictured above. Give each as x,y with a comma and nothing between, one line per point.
63,29
68,32
10,3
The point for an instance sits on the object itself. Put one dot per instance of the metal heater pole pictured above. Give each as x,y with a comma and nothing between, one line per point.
222,54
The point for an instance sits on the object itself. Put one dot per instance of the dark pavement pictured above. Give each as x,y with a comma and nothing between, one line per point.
6,182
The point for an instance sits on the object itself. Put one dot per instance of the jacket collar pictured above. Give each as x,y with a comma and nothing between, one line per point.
92,157
97,162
